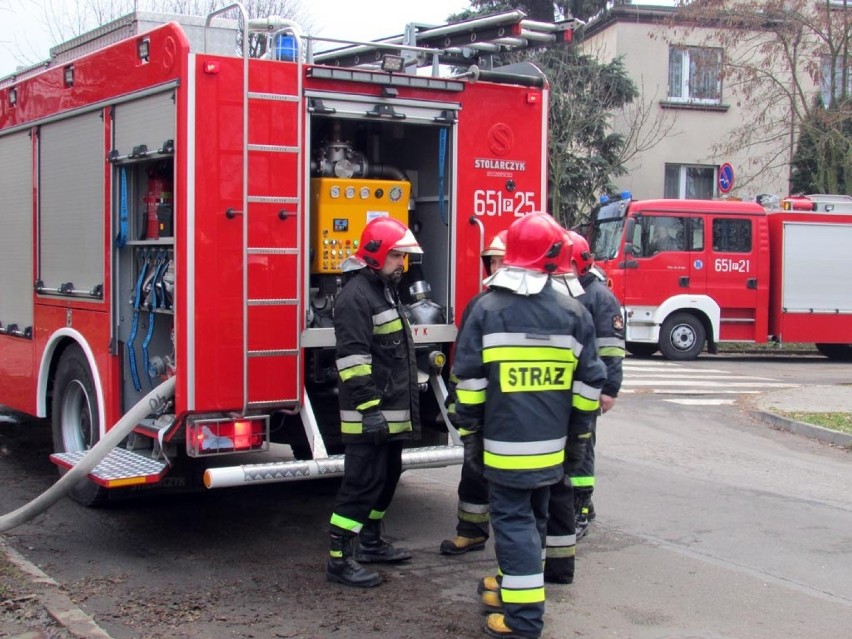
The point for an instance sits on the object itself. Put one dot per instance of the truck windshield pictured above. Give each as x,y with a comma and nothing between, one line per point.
607,229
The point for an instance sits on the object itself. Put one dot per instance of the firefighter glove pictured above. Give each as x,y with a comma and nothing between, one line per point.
375,427
473,453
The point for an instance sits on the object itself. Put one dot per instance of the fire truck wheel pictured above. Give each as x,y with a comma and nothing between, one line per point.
76,421
839,352
682,337
641,349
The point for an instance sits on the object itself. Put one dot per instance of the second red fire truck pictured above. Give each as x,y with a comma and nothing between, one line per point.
694,273
175,214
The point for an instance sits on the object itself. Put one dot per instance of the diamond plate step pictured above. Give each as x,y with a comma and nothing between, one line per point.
120,467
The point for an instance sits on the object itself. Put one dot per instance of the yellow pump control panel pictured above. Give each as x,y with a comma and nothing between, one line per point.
341,208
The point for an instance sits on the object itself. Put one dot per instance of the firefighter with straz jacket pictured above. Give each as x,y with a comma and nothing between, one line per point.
528,372
472,528
378,395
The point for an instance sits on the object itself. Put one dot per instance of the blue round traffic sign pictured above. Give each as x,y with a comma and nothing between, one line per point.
726,177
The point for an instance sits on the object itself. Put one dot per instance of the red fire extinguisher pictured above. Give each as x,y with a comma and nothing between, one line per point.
159,195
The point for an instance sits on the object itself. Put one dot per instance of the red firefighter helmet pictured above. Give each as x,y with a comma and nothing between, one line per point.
381,236
536,242
497,248
581,253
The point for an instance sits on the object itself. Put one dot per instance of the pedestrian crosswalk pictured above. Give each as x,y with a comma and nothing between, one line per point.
692,385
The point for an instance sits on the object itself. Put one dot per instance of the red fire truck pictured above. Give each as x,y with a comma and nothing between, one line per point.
174,210
696,272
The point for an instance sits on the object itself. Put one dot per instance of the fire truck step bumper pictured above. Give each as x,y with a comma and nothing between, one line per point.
121,467
426,457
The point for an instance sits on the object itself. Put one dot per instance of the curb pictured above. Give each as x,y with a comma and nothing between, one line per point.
827,435
55,601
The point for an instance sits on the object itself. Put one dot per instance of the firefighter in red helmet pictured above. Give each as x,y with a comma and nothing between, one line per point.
605,310
527,372
378,396
473,511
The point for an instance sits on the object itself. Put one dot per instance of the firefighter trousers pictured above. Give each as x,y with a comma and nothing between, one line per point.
561,531
473,512
370,476
519,520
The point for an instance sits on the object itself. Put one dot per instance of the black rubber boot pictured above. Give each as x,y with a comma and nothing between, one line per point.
343,569
372,549
583,513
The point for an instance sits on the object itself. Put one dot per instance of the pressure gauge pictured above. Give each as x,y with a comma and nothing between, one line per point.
350,192
335,192
365,192
395,194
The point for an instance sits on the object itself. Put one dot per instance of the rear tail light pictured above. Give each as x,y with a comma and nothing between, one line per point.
223,435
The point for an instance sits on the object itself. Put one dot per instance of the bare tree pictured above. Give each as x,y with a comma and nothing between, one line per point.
65,20
789,62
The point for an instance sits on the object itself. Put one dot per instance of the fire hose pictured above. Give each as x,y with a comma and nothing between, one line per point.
111,440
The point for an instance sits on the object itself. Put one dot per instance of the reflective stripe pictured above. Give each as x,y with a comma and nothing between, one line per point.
392,327
589,392
561,540
390,415
523,462
353,360
525,448
470,397
474,518
525,347
372,403
611,351
528,339
583,482
609,341
586,398
534,377
377,515
527,354
522,589
345,523
473,384
399,421
560,552
587,405
385,316
361,370
467,507
356,428
531,596
387,322
519,582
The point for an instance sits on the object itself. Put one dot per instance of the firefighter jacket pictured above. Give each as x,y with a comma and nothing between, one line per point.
528,372
375,358
605,310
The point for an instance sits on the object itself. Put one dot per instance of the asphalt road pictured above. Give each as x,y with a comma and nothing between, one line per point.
711,524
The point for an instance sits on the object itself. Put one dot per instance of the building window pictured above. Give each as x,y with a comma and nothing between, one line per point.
826,74
695,75
687,181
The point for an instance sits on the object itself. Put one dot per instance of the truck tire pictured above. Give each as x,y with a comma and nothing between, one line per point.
75,418
682,337
641,349
839,352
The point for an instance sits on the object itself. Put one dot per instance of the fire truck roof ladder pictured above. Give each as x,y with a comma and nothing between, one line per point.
463,44
291,201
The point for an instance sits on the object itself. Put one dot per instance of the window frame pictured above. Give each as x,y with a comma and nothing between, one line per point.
686,54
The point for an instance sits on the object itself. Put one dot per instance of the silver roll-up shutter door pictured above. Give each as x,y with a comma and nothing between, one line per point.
16,240
71,212
149,121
